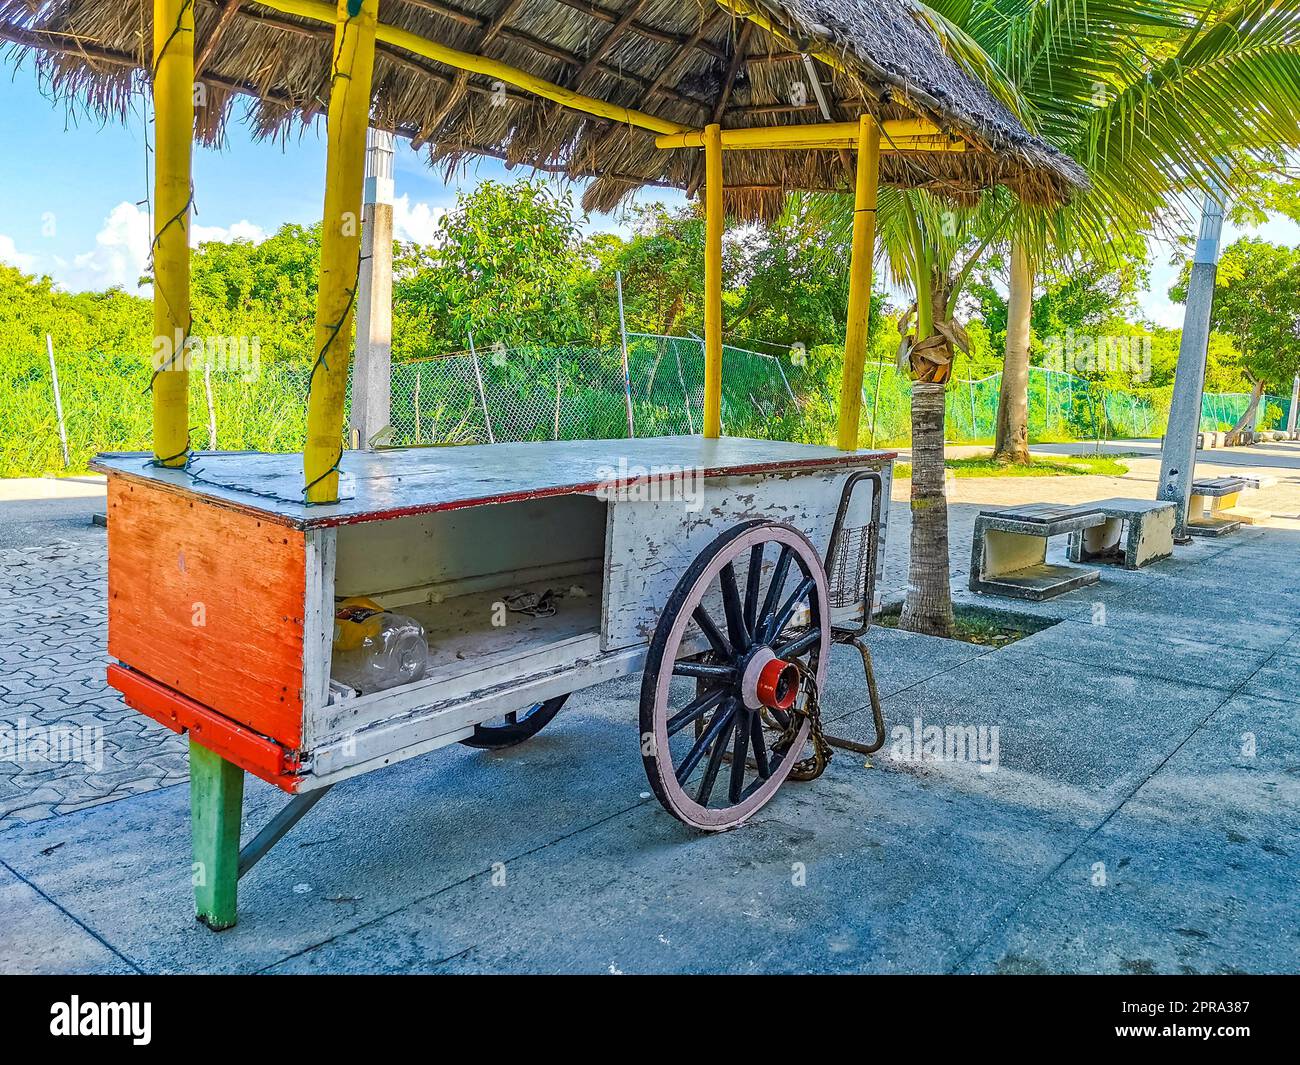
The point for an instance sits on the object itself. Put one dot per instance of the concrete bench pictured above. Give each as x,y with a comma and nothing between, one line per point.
1211,503
1009,550
1136,533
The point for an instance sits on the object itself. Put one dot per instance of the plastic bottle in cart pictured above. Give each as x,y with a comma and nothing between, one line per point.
374,648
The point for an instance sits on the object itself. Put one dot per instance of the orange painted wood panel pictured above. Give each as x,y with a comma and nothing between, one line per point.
209,602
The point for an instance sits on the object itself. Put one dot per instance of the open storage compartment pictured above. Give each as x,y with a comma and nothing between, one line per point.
468,576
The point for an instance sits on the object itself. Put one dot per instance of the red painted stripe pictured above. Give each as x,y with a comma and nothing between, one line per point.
232,741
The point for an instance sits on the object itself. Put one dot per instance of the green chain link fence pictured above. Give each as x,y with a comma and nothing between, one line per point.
566,393
1222,410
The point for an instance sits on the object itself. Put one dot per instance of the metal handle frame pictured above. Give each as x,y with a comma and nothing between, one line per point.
841,635
854,636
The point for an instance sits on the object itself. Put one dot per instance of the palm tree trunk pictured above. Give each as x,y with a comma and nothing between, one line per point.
1011,443
1247,419
929,599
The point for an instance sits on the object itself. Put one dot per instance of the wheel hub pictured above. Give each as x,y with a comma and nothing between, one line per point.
778,684
768,681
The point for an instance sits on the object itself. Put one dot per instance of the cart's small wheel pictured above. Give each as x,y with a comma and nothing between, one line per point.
757,599
515,727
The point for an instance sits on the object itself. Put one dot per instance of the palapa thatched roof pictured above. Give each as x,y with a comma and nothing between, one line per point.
689,61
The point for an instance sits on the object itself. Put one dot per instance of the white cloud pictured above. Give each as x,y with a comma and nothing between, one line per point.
417,222
11,256
120,254
241,230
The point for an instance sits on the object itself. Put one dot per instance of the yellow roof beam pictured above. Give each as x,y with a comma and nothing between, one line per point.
491,68
744,10
895,147
907,134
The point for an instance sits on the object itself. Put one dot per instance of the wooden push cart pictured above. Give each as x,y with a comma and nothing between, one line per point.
536,569
224,569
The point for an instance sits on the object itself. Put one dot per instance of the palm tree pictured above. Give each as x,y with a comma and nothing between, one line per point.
930,248
1153,101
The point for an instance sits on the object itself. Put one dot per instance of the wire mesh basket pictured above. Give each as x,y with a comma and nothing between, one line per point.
848,577
851,561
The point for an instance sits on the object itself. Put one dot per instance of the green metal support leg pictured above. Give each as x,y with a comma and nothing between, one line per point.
216,799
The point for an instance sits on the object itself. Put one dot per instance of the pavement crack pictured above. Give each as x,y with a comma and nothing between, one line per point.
73,918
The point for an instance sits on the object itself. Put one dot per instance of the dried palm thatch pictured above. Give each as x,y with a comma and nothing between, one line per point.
689,61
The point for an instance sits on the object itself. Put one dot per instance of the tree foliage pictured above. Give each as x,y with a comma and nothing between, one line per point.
1257,304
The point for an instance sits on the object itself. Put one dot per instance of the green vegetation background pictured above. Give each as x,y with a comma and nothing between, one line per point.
512,267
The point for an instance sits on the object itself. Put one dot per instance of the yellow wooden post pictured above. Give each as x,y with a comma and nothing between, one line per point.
173,105
864,246
340,247
713,281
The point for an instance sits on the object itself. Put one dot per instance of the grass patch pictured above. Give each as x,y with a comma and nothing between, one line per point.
1065,466
980,625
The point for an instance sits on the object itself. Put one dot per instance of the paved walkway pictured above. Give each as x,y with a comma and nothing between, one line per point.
1141,815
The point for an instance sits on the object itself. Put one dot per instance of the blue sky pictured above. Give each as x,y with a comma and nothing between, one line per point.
75,192
76,188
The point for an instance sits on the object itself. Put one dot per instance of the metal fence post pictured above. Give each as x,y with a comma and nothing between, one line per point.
627,374
417,402
875,405
970,389
58,401
482,396
212,411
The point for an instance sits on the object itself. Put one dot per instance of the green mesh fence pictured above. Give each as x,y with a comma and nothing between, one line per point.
570,393
1222,410
567,393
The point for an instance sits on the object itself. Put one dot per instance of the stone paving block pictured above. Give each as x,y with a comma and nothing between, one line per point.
1278,678
1081,730
900,659
52,671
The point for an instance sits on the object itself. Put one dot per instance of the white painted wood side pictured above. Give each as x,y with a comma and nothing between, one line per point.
318,628
426,728
650,543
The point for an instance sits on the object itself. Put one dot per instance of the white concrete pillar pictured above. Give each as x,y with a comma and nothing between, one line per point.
1295,405
372,370
1178,455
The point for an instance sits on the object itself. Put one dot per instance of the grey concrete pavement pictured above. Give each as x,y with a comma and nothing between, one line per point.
37,511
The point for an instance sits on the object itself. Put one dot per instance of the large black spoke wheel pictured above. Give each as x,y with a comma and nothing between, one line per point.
515,727
742,638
